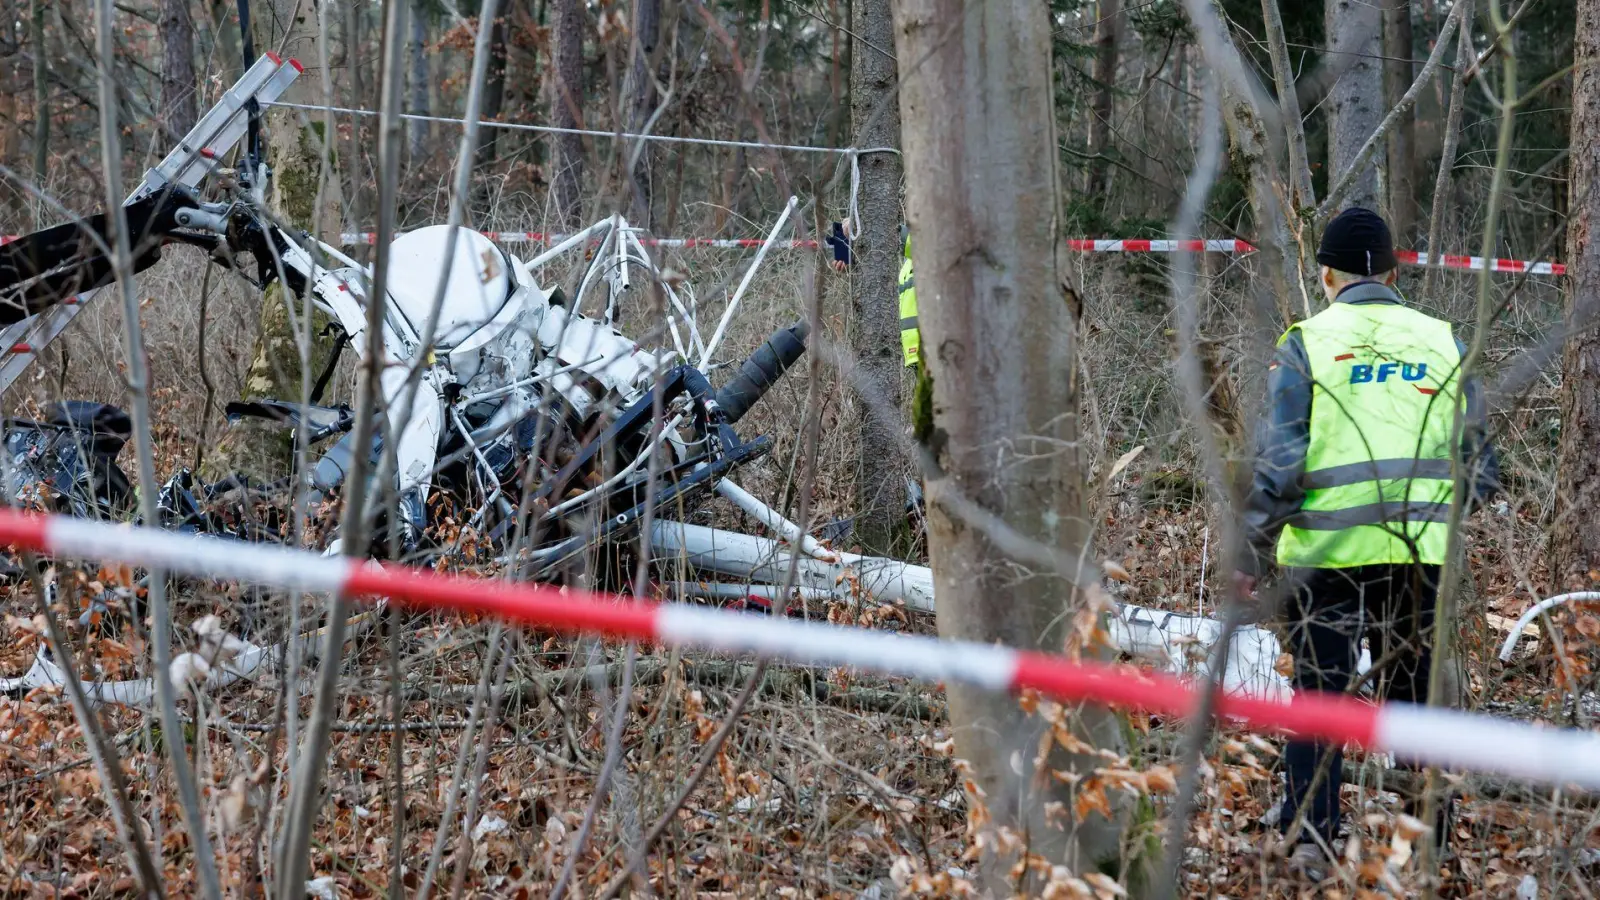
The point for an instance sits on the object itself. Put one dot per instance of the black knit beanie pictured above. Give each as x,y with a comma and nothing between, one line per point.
1358,241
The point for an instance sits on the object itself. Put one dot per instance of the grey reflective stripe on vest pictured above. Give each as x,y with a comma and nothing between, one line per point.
908,284
1392,512
908,323
1375,470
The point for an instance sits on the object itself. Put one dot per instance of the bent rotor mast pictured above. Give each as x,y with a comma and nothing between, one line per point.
48,278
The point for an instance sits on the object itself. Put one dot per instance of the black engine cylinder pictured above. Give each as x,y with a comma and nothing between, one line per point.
762,370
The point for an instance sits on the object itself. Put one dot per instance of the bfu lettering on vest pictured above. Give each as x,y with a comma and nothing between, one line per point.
1361,374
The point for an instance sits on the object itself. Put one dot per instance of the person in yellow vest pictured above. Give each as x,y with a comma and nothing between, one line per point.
1352,488
910,337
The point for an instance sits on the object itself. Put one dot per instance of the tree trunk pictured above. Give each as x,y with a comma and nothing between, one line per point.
566,106
41,103
294,152
494,97
1574,547
1355,102
177,68
417,132
998,309
1397,77
1443,184
875,335
353,30
301,195
224,27
639,95
1107,39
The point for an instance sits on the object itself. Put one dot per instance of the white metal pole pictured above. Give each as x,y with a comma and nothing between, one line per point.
733,304
789,531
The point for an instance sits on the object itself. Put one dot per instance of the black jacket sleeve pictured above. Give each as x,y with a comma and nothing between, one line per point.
1284,434
1477,453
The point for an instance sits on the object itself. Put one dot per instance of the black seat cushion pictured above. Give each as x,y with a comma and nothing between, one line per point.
108,426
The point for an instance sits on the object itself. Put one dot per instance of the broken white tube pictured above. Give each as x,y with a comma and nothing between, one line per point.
566,244
774,520
738,294
723,590
1177,642
1181,643
758,559
1534,612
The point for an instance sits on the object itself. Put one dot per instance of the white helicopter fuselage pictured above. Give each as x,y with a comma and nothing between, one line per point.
496,337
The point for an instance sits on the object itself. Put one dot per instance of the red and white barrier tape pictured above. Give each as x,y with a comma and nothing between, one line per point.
1440,737
1141,246
1407,257
1476,263
1083,245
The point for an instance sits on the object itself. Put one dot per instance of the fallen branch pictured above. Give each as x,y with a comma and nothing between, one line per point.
43,774
352,727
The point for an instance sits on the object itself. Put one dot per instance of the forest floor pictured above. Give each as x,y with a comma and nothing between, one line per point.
830,784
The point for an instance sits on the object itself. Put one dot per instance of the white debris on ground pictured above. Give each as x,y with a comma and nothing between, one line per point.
488,825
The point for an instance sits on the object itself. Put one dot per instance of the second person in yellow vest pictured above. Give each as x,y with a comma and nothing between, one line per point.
910,336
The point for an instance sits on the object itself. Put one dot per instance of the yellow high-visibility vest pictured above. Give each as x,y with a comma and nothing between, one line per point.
1378,480
910,337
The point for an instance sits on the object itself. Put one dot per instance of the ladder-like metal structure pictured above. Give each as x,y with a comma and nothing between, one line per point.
199,154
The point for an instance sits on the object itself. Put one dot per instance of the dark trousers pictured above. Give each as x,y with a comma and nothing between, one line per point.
1329,611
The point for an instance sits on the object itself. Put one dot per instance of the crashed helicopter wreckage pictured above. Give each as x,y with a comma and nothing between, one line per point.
493,383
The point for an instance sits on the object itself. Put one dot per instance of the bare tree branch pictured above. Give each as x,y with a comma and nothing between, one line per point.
103,753
1447,156
1302,193
1191,376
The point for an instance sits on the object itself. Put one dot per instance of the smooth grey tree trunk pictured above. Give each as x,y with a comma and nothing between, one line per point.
639,95
1397,76
41,102
566,107
494,99
417,132
177,67
1107,40
875,328
1444,181
1355,102
997,305
1283,79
